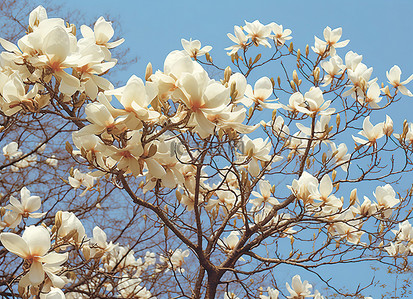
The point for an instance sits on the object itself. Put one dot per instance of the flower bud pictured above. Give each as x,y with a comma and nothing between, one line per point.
388,126
353,196
148,71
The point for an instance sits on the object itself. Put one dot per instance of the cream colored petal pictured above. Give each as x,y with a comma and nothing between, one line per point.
15,244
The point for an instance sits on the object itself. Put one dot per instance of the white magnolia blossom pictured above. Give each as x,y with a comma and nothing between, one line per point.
71,226
176,260
394,79
229,243
26,206
272,294
34,247
372,133
11,151
193,48
298,289
81,179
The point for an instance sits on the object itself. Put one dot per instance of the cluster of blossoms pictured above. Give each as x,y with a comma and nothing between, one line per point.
257,34
155,132
13,154
41,248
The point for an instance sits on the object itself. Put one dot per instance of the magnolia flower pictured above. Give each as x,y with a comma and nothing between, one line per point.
405,231
203,97
359,77
295,102
332,37
226,199
394,249
36,16
388,126
193,48
367,208
229,243
15,96
272,294
240,40
262,90
373,96
176,260
128,157
340,156
386,199
280,35
230,295
304,187
394,79
34,246
100,35
372,133
352,60
26,206
131,288
258,33
331,40
333,69
329,202
135,97
81,179
57,45
55,293
52,161
265,196
298,289
11,151
315,103
257,150
71,225
10,219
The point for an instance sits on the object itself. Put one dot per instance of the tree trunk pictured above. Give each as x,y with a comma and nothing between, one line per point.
213,280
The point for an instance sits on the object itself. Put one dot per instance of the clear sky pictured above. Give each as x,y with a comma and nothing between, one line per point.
379,30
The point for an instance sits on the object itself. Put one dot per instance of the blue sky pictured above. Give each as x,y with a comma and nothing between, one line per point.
381,31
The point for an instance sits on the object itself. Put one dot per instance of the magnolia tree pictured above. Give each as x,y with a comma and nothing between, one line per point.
180,185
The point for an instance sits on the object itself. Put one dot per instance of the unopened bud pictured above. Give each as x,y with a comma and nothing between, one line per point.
69,147
227,74
279,81
208,57
338,120
316,74
152,150
274,114
307,50
353,197
178,195
272,82
387,91
334,175
86,252
295,76
298,54
58,219
250,111
148,71
291,47
388,126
